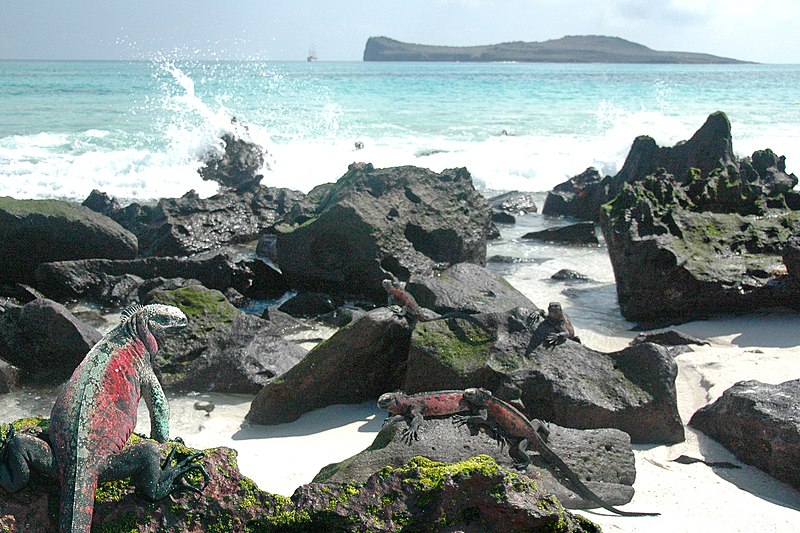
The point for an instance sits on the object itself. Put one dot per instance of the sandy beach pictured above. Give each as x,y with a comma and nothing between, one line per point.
691,497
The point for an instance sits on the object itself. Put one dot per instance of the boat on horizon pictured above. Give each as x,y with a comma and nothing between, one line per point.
312,55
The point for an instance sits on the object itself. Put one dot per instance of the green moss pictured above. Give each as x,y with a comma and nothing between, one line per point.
458,343
127,523
112,491
55,208
206,307
427,475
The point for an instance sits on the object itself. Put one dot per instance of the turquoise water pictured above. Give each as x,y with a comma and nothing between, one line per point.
138,129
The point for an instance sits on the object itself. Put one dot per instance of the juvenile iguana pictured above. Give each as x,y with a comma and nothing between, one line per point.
414,312
93,418
504,418
414,408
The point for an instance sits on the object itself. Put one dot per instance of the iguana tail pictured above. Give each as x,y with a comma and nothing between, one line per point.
77,502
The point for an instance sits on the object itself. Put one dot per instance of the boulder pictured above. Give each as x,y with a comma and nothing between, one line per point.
760,424
357,364
791,259
100,202
673,263
568,275
44,341
308,305
236,164
222,349
424,495
378,223
99,279
41,231
514,203
230,502
579,197
468,288
569,384
602,458
190,225
580,233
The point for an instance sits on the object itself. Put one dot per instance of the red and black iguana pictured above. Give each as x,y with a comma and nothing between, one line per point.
93,418
414,408
503,418
414,312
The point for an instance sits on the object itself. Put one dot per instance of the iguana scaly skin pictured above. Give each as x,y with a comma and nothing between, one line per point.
95,415
414,408
410,309
504,418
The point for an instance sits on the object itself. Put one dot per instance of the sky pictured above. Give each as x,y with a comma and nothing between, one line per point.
764,31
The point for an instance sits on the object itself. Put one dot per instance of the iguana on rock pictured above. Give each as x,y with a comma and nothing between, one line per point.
504,418
414,312
414,408
560,322
93,418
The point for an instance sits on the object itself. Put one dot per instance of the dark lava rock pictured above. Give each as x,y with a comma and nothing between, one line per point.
791,258
569,384
190,225
580,233
99,279
501,217
468,288
579,197
44,340
236,165
40,231
222,349
514,203
308,305
760,424
101,202
424,495
566,274
673,263
668,338
377,223
8,374
230,502
358,363
602,458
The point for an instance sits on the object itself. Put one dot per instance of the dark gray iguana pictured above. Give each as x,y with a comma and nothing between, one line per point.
414,312
560,322
93,418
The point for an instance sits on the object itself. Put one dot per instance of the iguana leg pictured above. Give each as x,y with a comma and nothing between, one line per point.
481,421
541,428
519,454
153,480
554,339
411,433
19,456
392,420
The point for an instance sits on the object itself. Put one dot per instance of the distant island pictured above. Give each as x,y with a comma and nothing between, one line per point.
570,49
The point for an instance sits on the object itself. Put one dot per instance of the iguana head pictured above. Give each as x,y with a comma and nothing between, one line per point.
387,284
477,396
554,310
151,322
388,400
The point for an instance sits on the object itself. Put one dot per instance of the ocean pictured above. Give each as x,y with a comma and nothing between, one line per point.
137,130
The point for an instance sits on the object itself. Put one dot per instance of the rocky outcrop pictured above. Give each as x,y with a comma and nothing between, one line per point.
674,262
507,206
221,349
579,197
602,458
468,288
357,364
760,424
40,231
121,282
569,49
580,233
569,384
424,495
379,223
44,341
236,165
190,225
419,496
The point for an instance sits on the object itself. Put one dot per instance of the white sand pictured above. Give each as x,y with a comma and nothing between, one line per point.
689,497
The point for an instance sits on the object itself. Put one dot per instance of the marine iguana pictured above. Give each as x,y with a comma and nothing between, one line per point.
560,322
93,418
502,417
414,408
414,312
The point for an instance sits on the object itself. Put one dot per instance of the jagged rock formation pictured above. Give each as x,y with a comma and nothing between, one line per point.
569,49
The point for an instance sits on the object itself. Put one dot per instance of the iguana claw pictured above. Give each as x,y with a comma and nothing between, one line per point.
182,468
554,339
